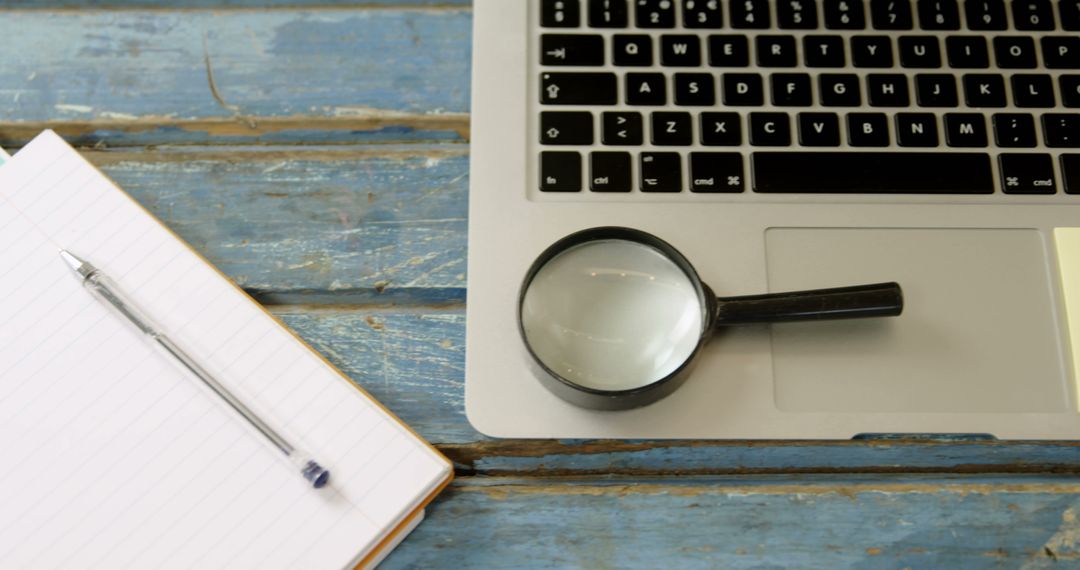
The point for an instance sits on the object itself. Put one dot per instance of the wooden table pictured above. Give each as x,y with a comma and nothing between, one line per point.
318,155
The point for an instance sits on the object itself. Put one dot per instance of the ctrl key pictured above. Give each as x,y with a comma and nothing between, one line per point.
560,171
1027,174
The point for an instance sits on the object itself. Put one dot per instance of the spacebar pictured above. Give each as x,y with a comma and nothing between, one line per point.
872,172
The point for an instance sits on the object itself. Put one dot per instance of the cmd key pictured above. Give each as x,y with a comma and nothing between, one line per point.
578,88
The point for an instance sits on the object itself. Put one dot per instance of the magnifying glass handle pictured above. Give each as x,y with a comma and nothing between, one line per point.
860,301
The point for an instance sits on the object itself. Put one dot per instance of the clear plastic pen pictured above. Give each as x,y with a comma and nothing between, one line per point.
106,290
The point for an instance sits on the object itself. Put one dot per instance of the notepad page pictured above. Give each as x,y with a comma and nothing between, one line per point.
115,457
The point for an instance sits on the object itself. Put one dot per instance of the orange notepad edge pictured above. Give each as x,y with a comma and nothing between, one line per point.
431,496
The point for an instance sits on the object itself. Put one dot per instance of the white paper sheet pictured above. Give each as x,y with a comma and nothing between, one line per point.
114,457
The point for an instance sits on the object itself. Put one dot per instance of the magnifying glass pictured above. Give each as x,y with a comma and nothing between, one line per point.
614,317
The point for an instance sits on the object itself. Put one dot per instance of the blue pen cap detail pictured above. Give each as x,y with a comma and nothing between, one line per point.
316,474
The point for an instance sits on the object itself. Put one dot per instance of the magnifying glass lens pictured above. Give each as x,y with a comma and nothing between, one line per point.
612,315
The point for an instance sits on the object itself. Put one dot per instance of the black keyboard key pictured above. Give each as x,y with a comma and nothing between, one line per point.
770,129
890,14
868,129
702,14
609,172
819,129
1070,15
578,89
1033,91
560,171
621,128
680,51
1014,130
695,89
839,90
983,15
743,89
566,127
716,172
1070,90
935,90
1014,52
920,51
607,14
967,52
729,51
939,15
1027,174
824,51
796,14
661,172
646,89
871,51
965,130
887,90
776,51
672,129
571,49
984,90
631,50
1029,15
791,90
1061,130
916,130
750,14
654,13
560,13
872,172
1061,52
1070,173
844,14
721,129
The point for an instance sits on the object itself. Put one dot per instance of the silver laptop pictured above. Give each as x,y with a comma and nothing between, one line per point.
785,145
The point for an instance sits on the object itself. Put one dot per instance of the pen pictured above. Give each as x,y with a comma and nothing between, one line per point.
105,289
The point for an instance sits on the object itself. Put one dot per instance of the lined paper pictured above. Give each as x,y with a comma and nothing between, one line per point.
115,457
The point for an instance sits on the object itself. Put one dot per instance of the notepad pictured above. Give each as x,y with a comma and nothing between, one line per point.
113,457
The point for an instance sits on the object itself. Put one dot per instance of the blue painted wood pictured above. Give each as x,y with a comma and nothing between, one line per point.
172,4
758,523
130,65
386,225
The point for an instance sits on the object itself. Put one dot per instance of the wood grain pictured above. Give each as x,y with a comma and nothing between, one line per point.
750,523
190,75
383,225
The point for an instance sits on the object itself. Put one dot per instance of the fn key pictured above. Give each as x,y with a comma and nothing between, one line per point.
560,171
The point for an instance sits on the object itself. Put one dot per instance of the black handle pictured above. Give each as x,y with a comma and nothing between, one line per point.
877,300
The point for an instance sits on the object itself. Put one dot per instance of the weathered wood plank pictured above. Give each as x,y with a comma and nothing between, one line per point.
412,360
384,225
133,70
219,4
757,523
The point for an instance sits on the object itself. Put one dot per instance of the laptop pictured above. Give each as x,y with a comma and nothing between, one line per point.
787,145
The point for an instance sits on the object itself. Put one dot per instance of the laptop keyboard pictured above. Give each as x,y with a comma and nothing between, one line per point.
808,96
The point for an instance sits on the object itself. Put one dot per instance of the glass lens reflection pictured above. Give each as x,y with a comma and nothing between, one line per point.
612,315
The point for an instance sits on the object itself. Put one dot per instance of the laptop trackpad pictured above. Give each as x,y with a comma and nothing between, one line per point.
978,333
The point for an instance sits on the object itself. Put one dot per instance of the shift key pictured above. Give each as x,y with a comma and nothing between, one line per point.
578,88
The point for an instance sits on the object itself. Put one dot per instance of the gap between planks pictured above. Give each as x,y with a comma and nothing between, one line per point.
505,487
68,7
360,119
